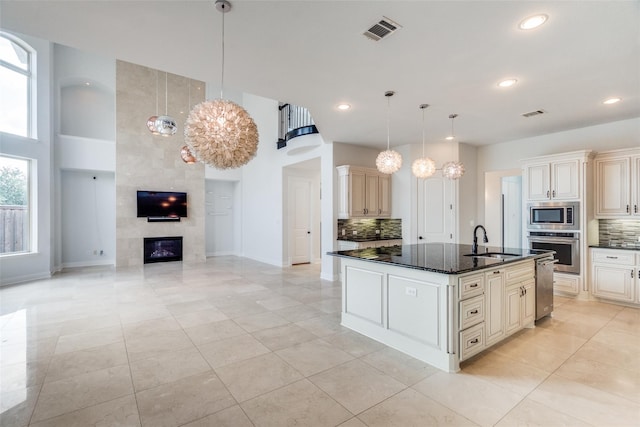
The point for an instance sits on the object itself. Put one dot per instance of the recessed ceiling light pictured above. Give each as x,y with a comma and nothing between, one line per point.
449,138
533,22
610,101
507,83
344,107
87,84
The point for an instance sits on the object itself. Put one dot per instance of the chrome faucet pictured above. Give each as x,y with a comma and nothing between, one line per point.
474,248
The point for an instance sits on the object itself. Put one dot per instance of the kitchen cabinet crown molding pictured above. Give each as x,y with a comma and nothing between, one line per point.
583,155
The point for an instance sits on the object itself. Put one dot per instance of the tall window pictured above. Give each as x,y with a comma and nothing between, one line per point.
14,205
16,76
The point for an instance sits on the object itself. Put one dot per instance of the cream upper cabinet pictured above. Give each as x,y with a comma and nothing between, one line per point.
553,181
363,193
618,184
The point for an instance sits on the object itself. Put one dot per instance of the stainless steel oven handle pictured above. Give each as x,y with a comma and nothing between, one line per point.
553,239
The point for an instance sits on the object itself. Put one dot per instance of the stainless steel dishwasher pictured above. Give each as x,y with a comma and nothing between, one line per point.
544,286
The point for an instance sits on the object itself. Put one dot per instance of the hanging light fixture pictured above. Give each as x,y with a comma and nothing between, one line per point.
424,167
166,125
452,169
388,161
221,133
151,121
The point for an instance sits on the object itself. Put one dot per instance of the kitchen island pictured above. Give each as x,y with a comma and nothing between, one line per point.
438,302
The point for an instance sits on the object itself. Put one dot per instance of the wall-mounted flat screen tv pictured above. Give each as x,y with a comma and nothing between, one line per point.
166,204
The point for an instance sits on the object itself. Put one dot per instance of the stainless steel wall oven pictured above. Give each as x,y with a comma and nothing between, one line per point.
566,245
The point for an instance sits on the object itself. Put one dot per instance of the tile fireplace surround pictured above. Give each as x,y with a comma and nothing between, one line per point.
233,342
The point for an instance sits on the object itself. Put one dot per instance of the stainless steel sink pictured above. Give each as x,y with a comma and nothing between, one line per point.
494,255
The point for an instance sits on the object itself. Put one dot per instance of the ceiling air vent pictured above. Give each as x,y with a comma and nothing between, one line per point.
381,29
533,113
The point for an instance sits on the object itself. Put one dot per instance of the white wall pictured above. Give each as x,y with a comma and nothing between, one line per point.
38,264
88,206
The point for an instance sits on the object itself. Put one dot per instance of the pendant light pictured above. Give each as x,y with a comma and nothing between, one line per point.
389,161
166,125
151,121
452,169
424,167
221,133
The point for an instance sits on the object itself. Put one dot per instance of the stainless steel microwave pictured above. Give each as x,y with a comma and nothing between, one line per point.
554,216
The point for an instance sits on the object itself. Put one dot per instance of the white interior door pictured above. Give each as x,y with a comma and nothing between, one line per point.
435,210
300,220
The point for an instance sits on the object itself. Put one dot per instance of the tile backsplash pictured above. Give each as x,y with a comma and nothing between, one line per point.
366,228
619,232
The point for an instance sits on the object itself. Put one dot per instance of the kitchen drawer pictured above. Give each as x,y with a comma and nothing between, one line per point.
471,286
519,273
471,341
613,257
471,311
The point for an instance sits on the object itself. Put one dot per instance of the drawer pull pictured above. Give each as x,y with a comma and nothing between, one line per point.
612,257
474,341
475,285
474,311
496,272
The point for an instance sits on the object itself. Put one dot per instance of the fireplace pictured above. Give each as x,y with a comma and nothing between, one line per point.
162,249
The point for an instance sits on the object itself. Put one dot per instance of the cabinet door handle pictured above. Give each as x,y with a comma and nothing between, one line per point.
553,193
379,211
548,194
632,274
627,208
474,341
474,311
635,208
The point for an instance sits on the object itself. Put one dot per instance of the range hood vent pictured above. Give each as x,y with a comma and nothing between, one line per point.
383,28
533,113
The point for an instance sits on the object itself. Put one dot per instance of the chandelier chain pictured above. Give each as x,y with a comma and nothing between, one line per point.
222,74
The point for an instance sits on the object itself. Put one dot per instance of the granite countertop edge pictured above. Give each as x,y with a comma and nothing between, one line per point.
484,265
624,248
371,239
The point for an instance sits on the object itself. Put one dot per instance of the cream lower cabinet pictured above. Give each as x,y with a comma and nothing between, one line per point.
520,306
614,274
346,245
494,320
495,304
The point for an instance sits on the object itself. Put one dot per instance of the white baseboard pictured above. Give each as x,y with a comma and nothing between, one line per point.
87,263
26,278
222,253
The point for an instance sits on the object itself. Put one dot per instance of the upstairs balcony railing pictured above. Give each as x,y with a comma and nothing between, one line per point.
294,121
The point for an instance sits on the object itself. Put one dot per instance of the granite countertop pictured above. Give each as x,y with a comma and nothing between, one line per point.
445,258
366,239
629,247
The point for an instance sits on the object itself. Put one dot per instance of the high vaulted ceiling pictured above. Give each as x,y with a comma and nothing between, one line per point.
449,54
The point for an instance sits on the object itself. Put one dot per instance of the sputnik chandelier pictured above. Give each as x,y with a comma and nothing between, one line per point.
452,169
221,133
424,167
388,161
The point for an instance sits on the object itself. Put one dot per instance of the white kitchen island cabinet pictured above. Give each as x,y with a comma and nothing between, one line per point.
434,303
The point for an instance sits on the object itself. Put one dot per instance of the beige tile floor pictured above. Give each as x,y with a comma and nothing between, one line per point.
234,342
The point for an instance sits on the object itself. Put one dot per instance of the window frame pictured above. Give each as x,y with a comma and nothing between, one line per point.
30,74
30,240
